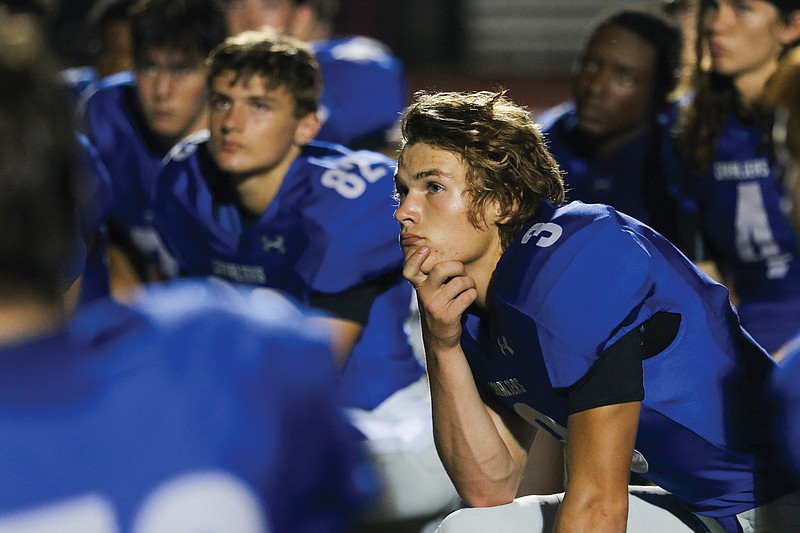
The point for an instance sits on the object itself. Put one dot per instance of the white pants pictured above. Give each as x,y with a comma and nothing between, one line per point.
400,443
650,510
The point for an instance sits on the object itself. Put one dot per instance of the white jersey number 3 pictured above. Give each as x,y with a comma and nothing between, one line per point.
546,233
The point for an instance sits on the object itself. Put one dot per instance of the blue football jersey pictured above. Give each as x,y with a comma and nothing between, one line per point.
574,281
97,197
629,179
77,81
133,158
365,89
741,205
328,229
199,408
785,394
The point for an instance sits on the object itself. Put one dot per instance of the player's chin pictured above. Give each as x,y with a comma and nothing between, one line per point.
164,128
409,251
228,164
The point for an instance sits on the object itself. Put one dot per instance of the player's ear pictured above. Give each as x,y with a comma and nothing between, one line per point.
307,129
791,31
504,215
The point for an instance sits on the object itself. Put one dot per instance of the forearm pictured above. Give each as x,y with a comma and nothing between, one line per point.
483,452
599,449
483,458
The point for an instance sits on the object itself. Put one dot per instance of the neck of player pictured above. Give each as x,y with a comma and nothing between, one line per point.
257,189
24,319
482,272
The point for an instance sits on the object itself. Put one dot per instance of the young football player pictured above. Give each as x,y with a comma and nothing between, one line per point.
576,320
134,118
722,163
261,203
782,96
608,139
365,83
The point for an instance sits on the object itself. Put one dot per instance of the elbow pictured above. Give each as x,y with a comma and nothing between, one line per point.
488,488
484,501
488,483
488,496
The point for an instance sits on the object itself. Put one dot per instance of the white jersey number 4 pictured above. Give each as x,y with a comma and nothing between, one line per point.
754,238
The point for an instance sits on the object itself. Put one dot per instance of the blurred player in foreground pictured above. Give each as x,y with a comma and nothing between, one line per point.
178,413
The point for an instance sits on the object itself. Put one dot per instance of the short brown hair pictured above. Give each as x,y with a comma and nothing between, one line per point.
506,158
280,60
190,27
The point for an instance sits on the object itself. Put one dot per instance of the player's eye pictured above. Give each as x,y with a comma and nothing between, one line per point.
219,102
434,187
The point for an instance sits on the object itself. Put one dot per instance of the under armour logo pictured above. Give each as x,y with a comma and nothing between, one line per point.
277,244
547,232
504,347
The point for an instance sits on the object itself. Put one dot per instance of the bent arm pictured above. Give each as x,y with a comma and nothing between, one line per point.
483,450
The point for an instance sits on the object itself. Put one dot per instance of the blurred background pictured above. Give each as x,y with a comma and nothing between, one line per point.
526,46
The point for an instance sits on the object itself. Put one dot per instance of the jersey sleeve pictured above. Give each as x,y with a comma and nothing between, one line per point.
96,185
101,110
586,295
785,393
353,234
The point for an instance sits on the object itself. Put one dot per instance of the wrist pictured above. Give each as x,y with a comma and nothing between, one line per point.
441,345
